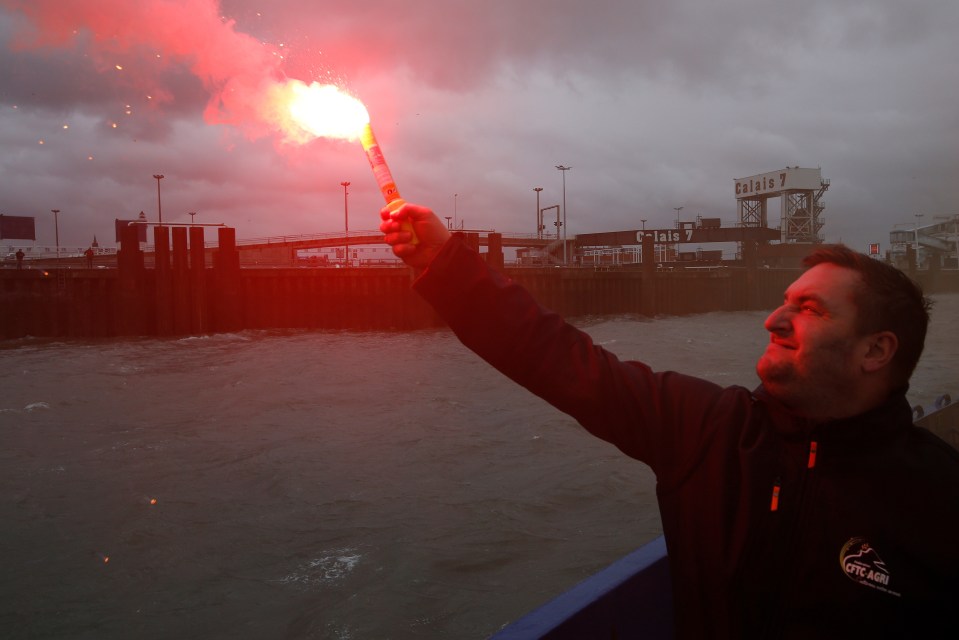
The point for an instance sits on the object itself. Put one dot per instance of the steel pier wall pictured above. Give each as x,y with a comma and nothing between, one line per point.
182,296
91,303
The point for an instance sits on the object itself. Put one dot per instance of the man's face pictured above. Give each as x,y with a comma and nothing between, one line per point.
811,363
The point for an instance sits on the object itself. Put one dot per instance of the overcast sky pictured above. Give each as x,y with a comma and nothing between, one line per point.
654,105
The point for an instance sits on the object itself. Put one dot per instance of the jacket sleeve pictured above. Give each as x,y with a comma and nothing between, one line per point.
659,418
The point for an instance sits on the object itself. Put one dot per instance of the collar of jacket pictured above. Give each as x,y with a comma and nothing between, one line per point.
887,420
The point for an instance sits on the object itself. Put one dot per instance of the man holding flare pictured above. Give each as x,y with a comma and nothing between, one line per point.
808,507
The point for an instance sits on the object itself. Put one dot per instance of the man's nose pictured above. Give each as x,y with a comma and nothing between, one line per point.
778,320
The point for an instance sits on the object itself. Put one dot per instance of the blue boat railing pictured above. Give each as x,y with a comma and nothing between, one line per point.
631,598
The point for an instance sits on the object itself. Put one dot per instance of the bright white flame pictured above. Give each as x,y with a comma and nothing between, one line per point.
325,111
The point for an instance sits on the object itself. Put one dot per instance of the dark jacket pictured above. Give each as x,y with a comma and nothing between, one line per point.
776,526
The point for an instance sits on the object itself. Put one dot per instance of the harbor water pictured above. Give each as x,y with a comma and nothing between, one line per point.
334,485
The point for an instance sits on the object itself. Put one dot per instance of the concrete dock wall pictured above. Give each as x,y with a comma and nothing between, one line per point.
157,302
181,295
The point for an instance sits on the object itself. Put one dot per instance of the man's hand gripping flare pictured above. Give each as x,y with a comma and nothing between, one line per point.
429,229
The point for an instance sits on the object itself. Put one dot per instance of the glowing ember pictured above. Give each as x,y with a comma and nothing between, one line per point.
325,111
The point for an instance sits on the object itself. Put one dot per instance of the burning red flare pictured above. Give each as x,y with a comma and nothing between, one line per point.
322,111
326,111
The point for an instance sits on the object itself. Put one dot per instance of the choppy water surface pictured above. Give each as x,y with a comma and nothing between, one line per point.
323,485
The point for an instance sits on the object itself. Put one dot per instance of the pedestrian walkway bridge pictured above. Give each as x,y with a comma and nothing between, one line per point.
359,238
283,249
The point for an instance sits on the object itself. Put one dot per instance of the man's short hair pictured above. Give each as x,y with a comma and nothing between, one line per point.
888,301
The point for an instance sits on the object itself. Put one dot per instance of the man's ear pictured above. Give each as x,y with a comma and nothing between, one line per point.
881,347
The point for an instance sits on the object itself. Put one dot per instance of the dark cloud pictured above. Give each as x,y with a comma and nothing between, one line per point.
655,105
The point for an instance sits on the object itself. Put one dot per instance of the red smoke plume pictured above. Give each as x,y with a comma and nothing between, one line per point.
239,72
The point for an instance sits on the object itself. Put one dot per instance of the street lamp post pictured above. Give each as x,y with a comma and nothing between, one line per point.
955,231
455,196
677,247
539,214
159,176
918,221
346,222
564,169
56,231
643,220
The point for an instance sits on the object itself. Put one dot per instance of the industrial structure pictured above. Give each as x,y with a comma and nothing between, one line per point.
775,241
800,221
933,246
182,284
801,205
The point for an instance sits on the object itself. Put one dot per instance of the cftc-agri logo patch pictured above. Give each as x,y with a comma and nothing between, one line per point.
862,564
